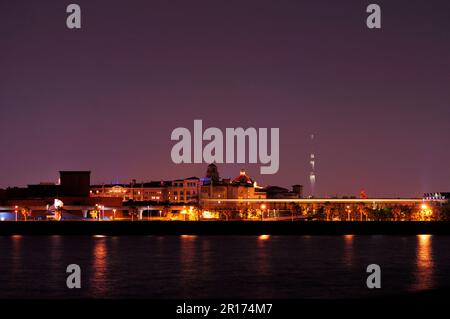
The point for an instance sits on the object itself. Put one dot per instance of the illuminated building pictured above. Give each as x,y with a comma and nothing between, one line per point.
177,191
184,190
149,191
242,187
435,196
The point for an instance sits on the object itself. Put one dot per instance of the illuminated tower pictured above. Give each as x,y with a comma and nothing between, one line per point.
312,174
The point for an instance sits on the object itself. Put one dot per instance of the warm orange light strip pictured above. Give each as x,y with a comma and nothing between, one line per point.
326,200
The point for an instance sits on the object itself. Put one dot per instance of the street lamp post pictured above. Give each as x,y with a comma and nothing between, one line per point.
263,207
100,211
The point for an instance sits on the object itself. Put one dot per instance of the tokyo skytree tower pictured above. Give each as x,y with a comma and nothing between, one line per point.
312,162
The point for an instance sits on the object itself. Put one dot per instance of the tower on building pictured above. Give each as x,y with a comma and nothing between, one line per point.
212,174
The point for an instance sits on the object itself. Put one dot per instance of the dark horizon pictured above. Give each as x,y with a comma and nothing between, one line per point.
107,97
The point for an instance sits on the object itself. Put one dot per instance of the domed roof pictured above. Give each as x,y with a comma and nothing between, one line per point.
242,178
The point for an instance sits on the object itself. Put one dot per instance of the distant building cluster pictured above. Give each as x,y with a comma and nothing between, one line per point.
75,192
194,190
207,197
436,196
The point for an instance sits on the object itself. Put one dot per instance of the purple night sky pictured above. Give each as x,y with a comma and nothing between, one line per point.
107,97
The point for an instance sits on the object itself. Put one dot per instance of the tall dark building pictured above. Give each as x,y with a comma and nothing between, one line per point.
298,189
212,174
75,183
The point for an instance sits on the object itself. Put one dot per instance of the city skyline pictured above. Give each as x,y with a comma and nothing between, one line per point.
105,98
203,177
236,158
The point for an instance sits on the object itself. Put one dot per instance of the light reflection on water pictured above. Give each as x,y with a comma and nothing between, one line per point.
263,256
100,266
423,279
348,250
16,258
191,266
56,252
188,265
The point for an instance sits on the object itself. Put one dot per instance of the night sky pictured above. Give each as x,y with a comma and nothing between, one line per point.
107,97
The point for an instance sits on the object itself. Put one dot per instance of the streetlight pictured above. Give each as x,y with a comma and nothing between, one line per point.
100,211
263,207
16,210
425,212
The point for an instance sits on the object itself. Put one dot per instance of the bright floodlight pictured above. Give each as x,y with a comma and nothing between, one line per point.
58,203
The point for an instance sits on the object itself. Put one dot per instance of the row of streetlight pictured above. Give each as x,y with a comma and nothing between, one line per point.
425,210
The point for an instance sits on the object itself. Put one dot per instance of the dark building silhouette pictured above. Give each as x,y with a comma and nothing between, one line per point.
75,183
277,192
298,189
2,196
212,174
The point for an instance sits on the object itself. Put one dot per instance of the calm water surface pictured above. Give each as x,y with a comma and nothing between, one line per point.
221,266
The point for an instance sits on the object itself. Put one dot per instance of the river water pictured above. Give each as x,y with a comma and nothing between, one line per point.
222,266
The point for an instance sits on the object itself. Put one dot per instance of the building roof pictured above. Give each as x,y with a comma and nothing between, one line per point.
276,189
156,184
188,178
243,178
136,185
75,172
